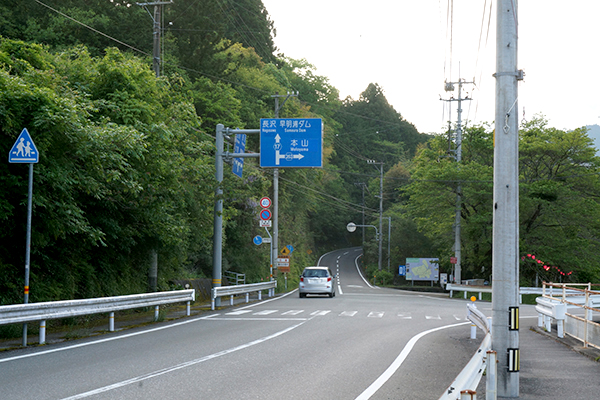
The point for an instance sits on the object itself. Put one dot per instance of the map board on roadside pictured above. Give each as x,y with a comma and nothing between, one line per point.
422,269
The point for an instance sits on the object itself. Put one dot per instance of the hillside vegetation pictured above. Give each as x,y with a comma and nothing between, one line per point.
127,158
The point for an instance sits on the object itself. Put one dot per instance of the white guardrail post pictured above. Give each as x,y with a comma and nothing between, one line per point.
43,311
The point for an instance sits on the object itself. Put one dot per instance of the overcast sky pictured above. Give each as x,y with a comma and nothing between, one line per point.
411,47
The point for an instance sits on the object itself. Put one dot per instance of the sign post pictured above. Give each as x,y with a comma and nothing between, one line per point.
25,152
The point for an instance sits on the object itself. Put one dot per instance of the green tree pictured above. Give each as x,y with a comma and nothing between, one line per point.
558,200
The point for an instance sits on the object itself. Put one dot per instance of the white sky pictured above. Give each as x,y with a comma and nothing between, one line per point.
404,46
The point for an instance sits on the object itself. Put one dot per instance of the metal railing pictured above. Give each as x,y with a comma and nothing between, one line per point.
241,289
578,296
488,289
21,313
484,359
235,278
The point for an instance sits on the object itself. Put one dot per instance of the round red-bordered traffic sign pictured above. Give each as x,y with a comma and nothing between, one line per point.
265,215
265,202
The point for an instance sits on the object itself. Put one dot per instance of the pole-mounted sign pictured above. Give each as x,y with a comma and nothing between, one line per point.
291,142
25,152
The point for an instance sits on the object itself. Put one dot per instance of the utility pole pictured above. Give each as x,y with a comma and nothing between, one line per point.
275,238
362,185
380,168
505,245
156,31
449,87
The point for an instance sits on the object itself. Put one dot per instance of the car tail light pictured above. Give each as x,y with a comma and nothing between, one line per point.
329,279
301,279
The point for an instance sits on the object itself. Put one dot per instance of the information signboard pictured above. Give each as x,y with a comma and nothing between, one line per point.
291,142
422,269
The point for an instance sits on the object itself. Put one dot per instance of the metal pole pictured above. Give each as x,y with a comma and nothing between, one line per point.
380,214
389,240
275,239
218,225
276,183
156,35
505,246
457,249
28,246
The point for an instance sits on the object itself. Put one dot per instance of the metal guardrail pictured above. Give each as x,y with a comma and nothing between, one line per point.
241,289
488,289
484,359
20,313
549,309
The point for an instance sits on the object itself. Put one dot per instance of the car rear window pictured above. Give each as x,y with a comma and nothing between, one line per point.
315,273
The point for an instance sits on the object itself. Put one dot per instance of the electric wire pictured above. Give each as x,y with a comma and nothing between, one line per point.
93,29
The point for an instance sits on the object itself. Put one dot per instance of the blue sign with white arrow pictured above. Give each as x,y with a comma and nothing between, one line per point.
257,240
291,142
24,151
239,146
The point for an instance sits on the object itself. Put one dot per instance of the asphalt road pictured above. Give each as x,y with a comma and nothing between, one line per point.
364,343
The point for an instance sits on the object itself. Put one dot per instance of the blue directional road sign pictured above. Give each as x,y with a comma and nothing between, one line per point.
257,240
239,146
24,151
291,142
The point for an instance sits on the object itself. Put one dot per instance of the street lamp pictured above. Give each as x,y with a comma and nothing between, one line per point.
380,168
352,227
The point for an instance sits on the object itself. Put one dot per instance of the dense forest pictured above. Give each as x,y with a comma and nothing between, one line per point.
127,158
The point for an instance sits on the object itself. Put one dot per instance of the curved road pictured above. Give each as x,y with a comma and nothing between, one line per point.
366,342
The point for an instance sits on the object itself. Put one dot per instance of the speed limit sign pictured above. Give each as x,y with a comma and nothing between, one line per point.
265,202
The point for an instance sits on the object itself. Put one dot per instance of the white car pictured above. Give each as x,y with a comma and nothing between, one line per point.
316,280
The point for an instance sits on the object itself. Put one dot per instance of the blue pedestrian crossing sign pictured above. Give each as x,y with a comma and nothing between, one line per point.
24,151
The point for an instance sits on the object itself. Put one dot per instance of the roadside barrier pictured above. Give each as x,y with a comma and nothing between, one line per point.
465,384
242,289
21,313
578,297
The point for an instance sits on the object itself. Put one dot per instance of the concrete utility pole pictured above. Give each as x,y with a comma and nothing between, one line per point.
505,246
275,239
362,185
449,87
156,32
379,238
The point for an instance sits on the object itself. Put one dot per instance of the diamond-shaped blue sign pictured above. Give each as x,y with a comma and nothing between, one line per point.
291,142
24,151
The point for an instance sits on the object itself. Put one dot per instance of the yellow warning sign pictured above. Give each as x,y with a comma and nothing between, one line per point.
285,251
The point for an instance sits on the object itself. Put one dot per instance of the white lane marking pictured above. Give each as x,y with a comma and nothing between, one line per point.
293,312
375,314
180,366
458,318
387,374
360,273
348,314
257,319
405,315
108,339
433,317
320,312
265,312
238,312
355,286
